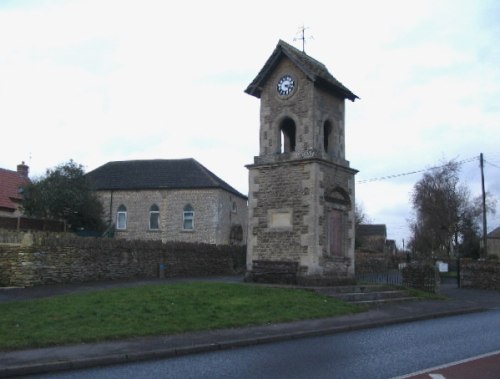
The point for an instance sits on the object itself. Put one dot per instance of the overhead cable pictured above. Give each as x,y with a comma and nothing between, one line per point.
411,172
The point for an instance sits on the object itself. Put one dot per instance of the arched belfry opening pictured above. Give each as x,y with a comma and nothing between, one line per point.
327,136
287,135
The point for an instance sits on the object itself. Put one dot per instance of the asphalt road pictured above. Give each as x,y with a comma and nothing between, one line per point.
373,353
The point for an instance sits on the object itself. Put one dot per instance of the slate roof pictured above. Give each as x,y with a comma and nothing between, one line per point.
494,234
156,174
314,70
10,182
371,230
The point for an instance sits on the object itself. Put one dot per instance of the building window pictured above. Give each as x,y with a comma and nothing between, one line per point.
234,207
121,218
188,218
154,217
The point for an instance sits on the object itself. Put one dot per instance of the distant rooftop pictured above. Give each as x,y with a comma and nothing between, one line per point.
370,230
494,234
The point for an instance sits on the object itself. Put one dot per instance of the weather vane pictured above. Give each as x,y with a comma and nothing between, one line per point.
301,35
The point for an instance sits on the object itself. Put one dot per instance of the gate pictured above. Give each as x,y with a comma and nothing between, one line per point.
392,277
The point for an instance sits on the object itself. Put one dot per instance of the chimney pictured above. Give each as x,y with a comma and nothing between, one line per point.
23,170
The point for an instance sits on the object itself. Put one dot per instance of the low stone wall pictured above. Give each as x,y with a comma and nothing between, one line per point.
480,274
421,276
370,262
61,258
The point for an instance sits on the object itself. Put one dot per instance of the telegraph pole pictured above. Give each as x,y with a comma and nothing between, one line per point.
485,239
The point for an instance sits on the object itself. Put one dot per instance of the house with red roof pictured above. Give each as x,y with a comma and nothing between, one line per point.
11,183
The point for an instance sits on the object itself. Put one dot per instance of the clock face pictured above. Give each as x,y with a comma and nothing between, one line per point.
285,85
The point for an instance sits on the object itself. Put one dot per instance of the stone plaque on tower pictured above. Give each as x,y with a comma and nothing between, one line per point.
301,187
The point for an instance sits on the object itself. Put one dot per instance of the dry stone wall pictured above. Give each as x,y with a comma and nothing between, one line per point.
64,259
480,274
421,276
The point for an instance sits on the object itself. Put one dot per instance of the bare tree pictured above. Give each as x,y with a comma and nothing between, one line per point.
360,217
446,219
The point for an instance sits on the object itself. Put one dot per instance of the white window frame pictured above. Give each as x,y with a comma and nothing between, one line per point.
188,217
154,211
121,218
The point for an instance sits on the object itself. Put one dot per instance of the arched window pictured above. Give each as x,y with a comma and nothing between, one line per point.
327,136
188,218
287,134
154,217
236,234
121,217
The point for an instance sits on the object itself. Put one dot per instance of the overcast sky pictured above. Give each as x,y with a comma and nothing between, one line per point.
99,81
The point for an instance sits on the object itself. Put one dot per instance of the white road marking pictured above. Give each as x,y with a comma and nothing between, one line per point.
425,371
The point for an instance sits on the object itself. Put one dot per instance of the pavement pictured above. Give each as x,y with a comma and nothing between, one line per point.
68,357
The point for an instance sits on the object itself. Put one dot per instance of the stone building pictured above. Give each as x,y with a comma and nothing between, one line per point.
170,200
371,237
301,187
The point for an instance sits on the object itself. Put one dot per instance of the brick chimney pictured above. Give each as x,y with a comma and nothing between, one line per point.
23,170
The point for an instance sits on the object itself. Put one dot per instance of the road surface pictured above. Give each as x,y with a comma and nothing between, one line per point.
385,352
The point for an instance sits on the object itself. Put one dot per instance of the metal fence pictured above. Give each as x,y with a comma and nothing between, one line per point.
392,277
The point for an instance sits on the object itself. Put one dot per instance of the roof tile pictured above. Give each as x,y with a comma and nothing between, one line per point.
313,69
10,183
156,174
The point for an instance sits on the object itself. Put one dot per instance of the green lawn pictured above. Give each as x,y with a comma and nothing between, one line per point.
155,310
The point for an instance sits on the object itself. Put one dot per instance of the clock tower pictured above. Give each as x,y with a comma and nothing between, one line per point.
301,187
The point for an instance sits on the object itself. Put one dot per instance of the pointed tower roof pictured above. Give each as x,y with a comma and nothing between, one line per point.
312,69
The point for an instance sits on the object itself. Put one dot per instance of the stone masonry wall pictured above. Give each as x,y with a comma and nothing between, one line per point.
421,276
279,189
64,259
213,214
480,274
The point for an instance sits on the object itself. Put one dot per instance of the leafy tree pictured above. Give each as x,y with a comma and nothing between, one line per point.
63,193
446,218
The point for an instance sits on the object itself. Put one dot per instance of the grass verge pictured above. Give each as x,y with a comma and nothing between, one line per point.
156,310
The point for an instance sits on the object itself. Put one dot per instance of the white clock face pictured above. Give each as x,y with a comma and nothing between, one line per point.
285,85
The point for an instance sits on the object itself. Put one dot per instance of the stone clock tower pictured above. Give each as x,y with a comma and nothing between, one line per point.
301,188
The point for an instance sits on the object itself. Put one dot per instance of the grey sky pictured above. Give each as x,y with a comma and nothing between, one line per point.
96,81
